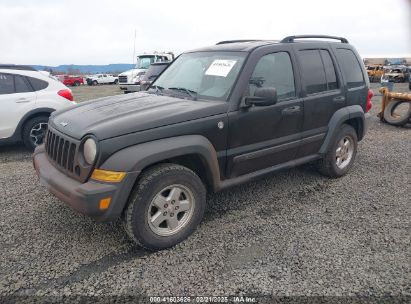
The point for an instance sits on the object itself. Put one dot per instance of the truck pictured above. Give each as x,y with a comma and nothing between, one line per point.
71,80
102,79
129,81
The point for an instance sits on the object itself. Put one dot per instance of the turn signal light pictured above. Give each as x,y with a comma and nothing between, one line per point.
108,176
105,203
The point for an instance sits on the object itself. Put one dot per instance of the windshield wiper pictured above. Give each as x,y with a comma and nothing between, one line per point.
193,94
158,89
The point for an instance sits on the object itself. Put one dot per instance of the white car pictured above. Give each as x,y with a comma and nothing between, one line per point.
27,98
102,79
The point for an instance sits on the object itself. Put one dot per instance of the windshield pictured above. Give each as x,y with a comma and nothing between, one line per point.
210,75
143,62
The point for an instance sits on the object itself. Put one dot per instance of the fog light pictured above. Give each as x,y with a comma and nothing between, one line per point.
105,203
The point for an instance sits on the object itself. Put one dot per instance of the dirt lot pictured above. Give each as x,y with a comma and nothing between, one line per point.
295,233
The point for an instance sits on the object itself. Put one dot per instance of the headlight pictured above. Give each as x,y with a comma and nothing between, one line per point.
89,150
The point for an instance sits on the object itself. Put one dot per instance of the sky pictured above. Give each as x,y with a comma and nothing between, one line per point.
52,32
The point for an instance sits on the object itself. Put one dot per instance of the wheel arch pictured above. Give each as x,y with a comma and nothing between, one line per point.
351,115
18,134
192,151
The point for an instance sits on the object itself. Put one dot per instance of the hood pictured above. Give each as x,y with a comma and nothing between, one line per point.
128,113
132,72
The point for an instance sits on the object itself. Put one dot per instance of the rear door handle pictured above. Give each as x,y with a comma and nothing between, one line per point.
22,100
291,110
339,99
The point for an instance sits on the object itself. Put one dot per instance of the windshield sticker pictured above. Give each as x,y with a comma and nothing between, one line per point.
220,67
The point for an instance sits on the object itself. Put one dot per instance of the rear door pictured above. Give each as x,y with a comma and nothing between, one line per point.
16,99
323,94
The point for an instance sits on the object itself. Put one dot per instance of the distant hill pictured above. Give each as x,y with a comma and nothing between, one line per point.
86,69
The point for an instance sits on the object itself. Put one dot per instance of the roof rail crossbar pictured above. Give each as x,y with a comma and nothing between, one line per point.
236,41
290,39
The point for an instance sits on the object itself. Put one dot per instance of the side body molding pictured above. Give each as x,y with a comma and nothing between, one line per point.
136,158
339,117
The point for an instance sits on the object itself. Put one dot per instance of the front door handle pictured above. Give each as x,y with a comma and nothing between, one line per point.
291,110
339,99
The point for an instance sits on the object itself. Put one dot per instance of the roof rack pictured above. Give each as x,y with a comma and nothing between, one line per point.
17,67
236,41
290,39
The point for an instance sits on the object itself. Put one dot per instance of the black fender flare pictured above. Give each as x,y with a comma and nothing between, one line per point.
340,117
138,157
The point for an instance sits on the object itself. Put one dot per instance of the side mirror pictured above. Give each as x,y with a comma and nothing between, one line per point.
262,97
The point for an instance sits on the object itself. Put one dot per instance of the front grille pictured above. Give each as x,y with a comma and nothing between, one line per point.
122,79
61,150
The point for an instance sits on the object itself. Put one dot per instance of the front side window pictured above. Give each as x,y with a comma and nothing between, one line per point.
207,75
275,71
6,84
351,68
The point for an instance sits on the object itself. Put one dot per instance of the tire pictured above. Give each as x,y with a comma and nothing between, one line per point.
157,185
76,83
115,81
36,126
328,166
396,121
95,82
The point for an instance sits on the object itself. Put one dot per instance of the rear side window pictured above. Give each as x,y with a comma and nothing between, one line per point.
21,85
351,68
38,84
6,84
330,75
313,71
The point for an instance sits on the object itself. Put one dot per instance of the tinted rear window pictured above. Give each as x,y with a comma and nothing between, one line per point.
21,84
38,84
329,70
313,71
351,68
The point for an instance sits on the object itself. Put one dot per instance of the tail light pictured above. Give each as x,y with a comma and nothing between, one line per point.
368,105
66,94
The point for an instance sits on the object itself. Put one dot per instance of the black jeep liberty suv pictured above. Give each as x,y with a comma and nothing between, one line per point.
216,117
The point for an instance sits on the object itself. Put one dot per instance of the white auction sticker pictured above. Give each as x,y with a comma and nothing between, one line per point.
220,67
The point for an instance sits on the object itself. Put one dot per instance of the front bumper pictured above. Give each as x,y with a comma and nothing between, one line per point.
84,197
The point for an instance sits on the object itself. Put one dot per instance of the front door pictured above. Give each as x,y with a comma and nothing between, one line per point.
265,136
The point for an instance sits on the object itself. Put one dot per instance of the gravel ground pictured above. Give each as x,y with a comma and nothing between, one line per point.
295,233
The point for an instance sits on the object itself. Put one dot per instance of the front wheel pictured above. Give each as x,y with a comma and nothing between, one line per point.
341,154
166,206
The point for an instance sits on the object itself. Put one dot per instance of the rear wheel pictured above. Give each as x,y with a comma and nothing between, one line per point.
341,155
34,131
76,83
165,207
95,82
